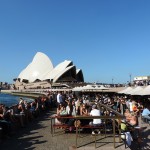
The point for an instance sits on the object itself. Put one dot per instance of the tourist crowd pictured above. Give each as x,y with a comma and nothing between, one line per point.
67,103
87,105
18,116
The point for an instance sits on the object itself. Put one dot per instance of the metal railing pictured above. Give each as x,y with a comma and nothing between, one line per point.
113,118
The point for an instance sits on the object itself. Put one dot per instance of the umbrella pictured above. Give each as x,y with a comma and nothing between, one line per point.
96,88
135,90
125,90
145,91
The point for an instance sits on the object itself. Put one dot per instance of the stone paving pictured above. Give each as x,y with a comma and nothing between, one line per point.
37,136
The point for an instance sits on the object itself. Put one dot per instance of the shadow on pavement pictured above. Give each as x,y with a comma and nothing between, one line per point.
26,138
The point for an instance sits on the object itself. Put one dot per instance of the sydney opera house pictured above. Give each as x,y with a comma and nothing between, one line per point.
41,73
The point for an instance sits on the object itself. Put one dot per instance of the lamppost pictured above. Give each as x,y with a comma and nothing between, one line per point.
130,78
51,83
112,80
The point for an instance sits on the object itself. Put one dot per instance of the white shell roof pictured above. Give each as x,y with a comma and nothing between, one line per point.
78,70
58,69
61,73
35,70
42,68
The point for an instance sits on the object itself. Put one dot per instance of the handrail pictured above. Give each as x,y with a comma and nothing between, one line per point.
98,117
107,107
93,117
103,117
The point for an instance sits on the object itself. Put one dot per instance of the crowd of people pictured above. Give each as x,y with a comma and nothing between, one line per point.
85,105
19,115
67,103
131,108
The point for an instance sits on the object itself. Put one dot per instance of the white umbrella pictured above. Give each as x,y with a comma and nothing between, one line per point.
135,90
94,88
87,88
145,91
77,89
125,90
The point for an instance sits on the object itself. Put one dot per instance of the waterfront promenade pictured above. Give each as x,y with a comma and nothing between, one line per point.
37,136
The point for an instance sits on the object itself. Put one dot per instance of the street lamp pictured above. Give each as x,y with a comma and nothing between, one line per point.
112,80
51,82
130,77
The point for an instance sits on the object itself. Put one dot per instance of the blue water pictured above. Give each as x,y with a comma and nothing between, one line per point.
10,100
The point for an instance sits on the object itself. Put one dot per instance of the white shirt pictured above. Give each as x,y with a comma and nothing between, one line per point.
68,109
130,105
59,98
96,112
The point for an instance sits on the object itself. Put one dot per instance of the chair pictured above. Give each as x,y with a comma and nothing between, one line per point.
125,135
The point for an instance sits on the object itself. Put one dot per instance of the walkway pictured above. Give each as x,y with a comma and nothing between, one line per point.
37,136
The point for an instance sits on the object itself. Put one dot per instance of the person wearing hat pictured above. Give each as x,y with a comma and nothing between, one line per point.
96,122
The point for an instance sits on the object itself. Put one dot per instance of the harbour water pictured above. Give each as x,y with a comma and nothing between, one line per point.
10,100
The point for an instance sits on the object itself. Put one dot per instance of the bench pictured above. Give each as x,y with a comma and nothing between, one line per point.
87,126
63,126
66,126
60,126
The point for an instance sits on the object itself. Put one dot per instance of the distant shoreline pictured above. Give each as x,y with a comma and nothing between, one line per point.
22,94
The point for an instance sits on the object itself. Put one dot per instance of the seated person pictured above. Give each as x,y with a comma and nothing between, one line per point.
73,112
106,113
135,108
32,109
96,122
129,122
132,119
8,114
84,112
123,125
60,111
127,113
146,112
78,104
18,117
125,133
108,122
5,121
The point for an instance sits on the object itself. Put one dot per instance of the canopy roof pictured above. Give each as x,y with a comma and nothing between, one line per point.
135,91
90,88
125,90
144,91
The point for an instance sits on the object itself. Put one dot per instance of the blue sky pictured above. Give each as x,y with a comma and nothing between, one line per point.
107,39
